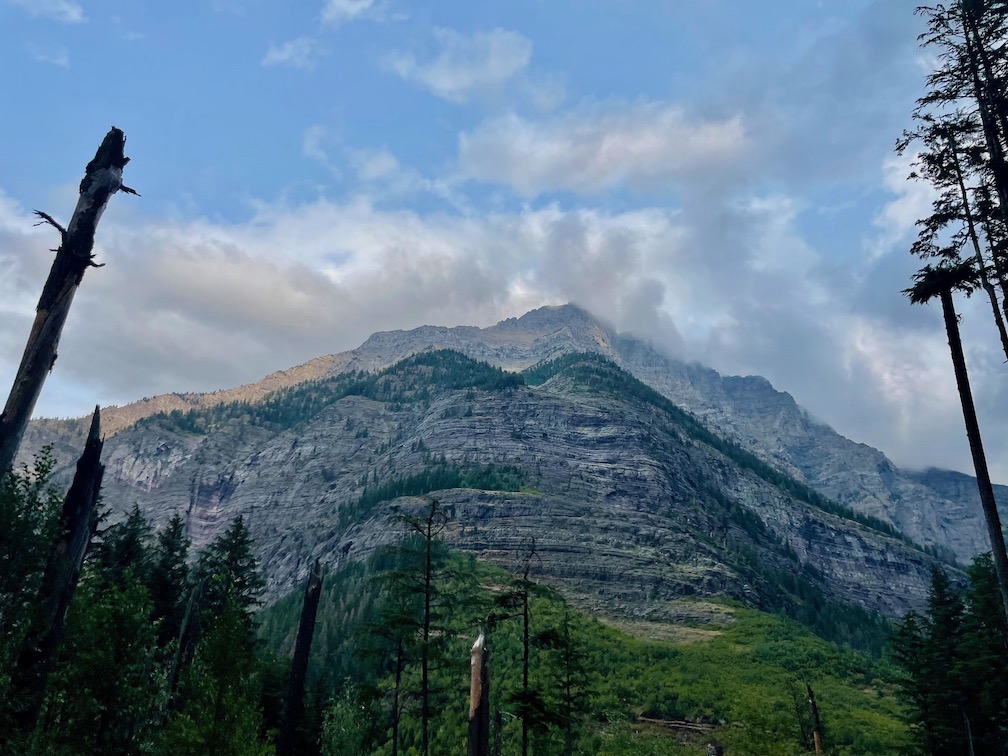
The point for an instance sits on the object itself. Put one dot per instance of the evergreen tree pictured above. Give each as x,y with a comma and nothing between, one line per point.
220,693
983,658
228,569
941,664
217,707
29,510
169,580
569,674
104,695
962,122
125,548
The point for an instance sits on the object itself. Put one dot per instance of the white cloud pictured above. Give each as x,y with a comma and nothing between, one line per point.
376,165
315,145
53,56
597,148
338,11
898,217
303,53
64,11
465,67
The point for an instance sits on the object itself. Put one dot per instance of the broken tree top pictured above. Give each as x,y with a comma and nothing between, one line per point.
102,179
109,155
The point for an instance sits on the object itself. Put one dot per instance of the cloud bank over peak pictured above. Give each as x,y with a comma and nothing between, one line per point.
595,148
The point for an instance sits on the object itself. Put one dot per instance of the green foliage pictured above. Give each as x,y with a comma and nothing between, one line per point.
125,548
108,690
743,674
414,379
220,693
437,477
345,730
169,579
955,665
104,694
228,572
29,512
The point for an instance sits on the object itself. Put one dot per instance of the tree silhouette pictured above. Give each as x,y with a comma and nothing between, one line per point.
940,281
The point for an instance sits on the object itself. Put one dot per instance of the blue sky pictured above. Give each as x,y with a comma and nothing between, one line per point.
717,177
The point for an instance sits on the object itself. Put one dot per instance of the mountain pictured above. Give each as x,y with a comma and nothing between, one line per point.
634,503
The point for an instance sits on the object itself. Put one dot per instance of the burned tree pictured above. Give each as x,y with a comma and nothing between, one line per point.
294,705
102,179
78,522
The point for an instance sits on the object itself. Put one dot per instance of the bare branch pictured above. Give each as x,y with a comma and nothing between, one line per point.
46,218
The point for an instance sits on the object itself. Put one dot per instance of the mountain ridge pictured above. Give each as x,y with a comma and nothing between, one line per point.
635,505
934,508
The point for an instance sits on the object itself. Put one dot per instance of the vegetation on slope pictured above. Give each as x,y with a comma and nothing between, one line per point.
745,684
600,374
414,379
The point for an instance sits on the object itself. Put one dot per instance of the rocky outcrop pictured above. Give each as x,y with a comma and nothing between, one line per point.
624,505
629,511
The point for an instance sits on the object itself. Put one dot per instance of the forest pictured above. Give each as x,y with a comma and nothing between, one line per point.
120,638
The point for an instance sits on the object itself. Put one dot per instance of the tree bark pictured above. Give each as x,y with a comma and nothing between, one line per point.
78,522
976,447
816,723
425,657
189,631
479,699
299,669
102,179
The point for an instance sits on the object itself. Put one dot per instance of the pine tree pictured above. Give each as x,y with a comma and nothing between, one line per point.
125,548
169,580
220,711
941,662
983,657
104,694
228,569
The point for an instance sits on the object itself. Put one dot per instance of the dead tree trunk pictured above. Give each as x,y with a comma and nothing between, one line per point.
102,179
816,723
78,522
299,670
479,699
189,632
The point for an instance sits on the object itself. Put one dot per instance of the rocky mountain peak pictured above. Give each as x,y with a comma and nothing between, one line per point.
932,508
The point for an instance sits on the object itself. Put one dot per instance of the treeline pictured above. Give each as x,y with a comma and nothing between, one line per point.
415,379
158,656
437,476
561,682
955,665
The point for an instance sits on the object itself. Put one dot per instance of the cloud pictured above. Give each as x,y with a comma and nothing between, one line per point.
303,53
464,66
735,284
202,305
376,165
596,148
64,11
338,11
59,57
897,220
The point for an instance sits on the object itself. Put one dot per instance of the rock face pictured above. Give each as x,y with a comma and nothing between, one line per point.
633,505
926,507
631,510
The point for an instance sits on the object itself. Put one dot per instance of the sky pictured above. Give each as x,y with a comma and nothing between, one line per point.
715,177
